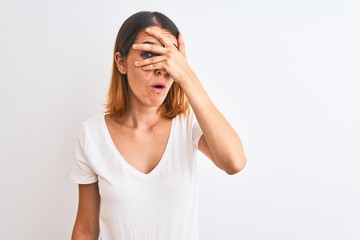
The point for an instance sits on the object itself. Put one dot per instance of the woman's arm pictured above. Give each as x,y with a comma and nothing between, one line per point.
219,142
87,220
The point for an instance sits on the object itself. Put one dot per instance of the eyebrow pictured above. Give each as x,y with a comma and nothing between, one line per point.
148,42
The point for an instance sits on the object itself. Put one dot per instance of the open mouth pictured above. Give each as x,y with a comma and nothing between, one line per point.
158,86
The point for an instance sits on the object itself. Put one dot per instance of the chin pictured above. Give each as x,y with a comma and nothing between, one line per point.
156,102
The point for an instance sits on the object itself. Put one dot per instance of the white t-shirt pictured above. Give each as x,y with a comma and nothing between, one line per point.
160,205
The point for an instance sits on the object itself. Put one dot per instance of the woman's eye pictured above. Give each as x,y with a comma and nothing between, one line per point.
147,55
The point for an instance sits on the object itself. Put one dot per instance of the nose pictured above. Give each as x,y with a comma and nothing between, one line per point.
161,72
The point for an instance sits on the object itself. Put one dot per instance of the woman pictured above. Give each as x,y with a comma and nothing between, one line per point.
135,165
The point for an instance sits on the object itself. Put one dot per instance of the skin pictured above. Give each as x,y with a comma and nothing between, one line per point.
144,127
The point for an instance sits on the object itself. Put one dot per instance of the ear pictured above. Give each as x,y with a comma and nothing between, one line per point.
120,63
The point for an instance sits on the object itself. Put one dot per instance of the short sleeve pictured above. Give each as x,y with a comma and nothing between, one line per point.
196,131
82,172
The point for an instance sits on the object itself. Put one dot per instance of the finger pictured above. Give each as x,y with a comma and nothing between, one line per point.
151,60
164,40
181,44
153,66
150,47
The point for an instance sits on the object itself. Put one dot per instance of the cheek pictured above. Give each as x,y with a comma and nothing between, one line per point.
135,73
138,78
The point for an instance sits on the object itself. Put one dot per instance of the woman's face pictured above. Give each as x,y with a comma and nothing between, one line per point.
148,88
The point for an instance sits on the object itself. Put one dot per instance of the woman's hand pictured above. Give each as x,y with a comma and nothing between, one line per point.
170,58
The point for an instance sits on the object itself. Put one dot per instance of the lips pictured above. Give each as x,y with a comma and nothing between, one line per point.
158,86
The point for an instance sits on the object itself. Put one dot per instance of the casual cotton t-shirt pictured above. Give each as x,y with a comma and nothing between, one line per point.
160,205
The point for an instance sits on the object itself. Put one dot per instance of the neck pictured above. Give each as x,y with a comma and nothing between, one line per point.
141,117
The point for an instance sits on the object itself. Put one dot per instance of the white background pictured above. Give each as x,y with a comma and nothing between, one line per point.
284,73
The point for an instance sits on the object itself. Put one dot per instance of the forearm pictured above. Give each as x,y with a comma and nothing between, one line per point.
223,141
82,234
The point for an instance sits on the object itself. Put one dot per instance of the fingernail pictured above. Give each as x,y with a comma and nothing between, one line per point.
136,63
135,45
148,29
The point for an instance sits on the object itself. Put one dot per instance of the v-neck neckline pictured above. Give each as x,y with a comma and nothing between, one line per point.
126,163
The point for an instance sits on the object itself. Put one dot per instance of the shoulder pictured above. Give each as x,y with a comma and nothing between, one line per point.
182,120
94,121
186,122
93,125
186,118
